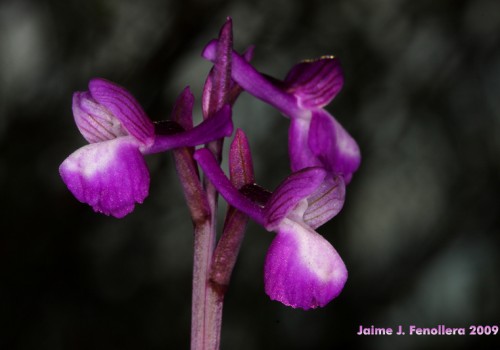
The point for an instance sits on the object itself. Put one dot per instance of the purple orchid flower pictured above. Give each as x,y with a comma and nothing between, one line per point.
110,174
316,138
302,269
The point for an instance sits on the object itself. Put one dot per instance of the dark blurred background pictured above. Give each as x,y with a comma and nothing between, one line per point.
420,229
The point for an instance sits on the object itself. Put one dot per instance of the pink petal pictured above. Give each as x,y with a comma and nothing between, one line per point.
110,176
120,103
301,155
315,82
294,189
302,269
326,202
333,145
95,122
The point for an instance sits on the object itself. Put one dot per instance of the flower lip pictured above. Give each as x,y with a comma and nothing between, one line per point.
302,269
111,176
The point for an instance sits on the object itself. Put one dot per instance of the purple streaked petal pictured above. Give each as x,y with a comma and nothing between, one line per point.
315,82
286,197
218,126
325,202
95,122
298,145
333,145
240,161
214,173
110,176
302,269
255,83
119,102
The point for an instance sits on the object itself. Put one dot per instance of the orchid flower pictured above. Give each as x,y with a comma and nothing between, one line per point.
110,173
316,138
302,269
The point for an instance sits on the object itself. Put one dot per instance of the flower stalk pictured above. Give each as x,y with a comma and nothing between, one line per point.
208,295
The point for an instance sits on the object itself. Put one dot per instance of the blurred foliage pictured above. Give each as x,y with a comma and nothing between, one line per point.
420,228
